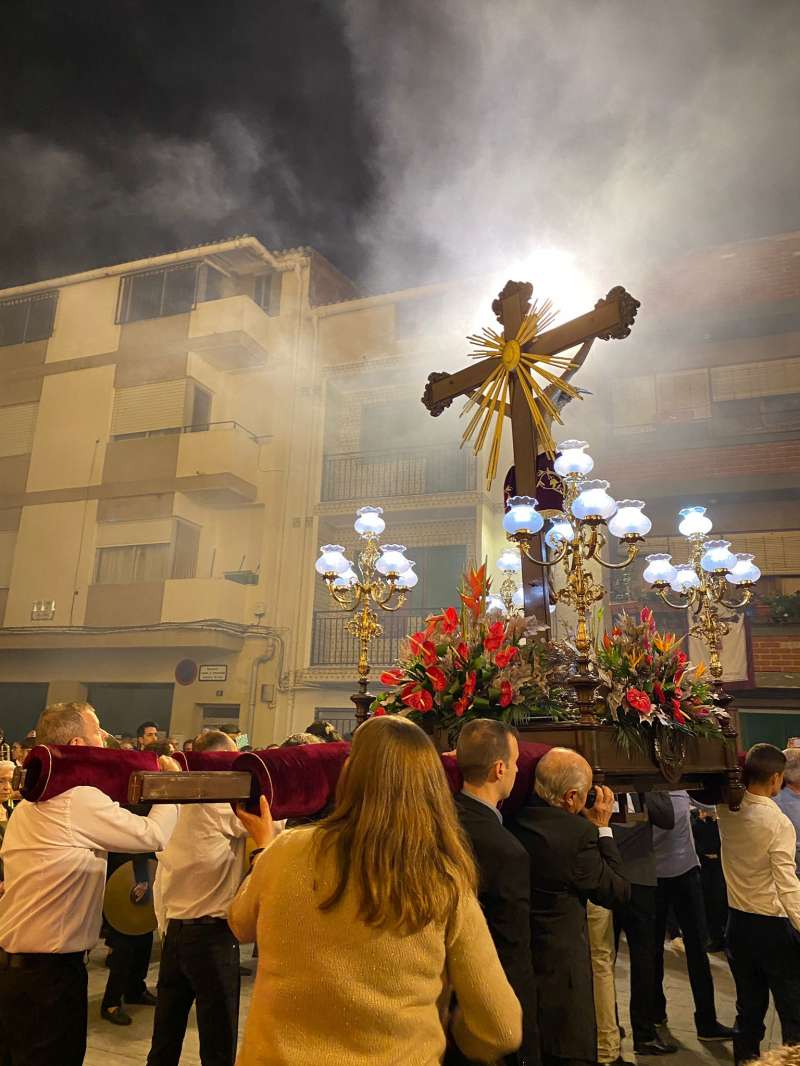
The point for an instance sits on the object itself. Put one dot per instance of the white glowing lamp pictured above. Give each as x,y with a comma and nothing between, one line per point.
573,459
560,530
629,521
509,561
718,556
347,579
518,599
745,572
685,578
659,569
408,579
593,501
393,560
694,522
368,522
495,607
522,516
331,560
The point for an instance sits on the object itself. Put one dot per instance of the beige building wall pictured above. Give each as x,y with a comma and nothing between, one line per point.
84,322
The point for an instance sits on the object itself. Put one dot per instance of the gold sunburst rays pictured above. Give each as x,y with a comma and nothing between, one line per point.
491,398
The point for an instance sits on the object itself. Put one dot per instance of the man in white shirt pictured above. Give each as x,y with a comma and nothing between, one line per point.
198,875
54,855
758,857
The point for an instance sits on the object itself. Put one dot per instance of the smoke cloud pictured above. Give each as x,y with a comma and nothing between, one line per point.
606,134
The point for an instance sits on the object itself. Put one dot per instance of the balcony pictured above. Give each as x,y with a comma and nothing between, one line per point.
232,333
356,476
332,645
198,598
218,463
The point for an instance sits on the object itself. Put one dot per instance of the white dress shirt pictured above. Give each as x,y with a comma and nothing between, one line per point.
758,859
200,870
54,855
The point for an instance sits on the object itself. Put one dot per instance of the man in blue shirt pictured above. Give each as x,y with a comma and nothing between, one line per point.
788,799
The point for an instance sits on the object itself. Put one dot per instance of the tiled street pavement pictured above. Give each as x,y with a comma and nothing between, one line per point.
110,1045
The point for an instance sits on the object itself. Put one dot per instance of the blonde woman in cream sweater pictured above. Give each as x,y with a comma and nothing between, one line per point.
368,921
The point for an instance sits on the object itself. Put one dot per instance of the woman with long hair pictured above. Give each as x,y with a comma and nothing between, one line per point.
368,920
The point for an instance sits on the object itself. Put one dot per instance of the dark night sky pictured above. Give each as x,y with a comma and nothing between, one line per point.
405,139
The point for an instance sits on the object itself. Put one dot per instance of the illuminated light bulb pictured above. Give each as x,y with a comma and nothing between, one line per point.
629,520
559,531
368,522
694,522
745,571
495,606
718,556
659,569
509,561
392,561
518,599
573,459
522,516
331,560
685,578
593,501
408,580
347,579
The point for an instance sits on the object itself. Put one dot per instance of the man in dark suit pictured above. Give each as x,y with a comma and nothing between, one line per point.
487,755
573,858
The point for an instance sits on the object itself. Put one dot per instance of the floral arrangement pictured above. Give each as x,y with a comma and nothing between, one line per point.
648,683
466,664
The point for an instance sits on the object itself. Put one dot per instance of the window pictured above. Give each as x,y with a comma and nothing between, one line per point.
157,292
440,570
17,423
267,292
143,410
29,318
132,564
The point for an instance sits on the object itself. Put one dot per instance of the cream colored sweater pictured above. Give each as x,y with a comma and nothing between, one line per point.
331,990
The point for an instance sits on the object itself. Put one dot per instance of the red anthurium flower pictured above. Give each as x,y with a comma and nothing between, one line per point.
437,678
677,713
416,640
495,637
616,631
462,650
449,620
421,700
506,694
682,658
505,655
639,700
469,684
429,656
658,693
379,712
460,706
390,678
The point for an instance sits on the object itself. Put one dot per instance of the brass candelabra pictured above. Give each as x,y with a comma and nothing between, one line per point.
576,538
383,578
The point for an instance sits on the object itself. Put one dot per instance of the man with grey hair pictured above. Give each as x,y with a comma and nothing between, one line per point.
573,858
54,855
788,799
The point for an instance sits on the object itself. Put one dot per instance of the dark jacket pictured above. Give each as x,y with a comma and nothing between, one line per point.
635,838
504,894
570,864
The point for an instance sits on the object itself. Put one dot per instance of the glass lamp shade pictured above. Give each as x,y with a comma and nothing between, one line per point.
408,579
347,579
694,522
745,571
522,516
560,530
573,458
685,578
331,560
593,501
392,561
495,606
518,599
509,561
659,569
629,520
718,556
368,522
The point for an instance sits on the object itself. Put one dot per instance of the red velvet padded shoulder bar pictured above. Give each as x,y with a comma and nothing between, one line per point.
51,769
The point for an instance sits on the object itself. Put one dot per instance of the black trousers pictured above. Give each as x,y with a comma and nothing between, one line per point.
637,919
199,963
43,1011
685,895
715,897
127,967
764,954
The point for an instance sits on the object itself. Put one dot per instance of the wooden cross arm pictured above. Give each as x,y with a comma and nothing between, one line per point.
612,318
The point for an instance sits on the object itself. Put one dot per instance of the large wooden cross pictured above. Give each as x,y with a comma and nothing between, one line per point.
504,385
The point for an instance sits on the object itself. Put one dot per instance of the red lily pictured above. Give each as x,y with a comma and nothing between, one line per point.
505,655
495,637
390,678
437,678
506,694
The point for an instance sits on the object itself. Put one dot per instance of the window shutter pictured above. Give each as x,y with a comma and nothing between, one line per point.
775,552
17,424
742,382
684,396
142,408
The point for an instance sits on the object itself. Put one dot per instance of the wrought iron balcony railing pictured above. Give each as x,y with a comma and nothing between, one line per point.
332,645
399,472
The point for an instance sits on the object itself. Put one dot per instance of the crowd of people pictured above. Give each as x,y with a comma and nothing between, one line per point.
403,925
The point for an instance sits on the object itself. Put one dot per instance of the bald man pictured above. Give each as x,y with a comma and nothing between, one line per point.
573,859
